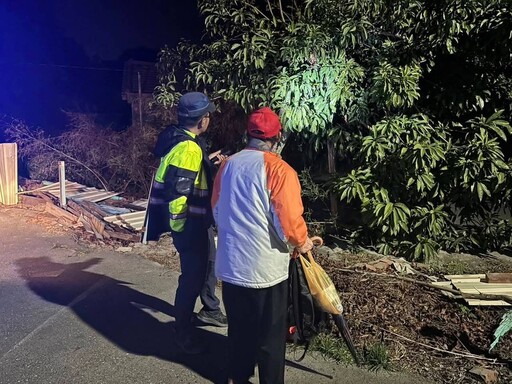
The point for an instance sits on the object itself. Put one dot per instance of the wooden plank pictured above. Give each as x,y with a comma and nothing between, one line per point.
446,284
482,285
489,291
478,302
74,212
498,278
94,208
45,196
9,174
470,280
101,226
124,236
86,224
479,276
60,213
89,227
443,284
97,223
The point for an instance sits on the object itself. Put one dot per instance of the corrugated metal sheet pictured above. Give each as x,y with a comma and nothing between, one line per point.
78,191
132,220
54,188
141,203
94,195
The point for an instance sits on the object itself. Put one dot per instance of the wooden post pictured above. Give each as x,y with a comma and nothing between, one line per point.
144,238
331,165
9,174
62,184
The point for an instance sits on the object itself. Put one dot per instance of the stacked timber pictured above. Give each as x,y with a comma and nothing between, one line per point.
489,284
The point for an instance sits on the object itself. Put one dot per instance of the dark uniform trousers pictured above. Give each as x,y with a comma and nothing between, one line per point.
196,248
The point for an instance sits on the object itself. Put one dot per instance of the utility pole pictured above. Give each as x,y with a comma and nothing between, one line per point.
140,99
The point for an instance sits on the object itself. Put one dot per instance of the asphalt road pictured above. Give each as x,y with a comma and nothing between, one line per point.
73,314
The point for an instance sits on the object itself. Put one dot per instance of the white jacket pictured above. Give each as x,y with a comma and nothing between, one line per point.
258,210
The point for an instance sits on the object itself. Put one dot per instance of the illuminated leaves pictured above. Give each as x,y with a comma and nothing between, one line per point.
408,93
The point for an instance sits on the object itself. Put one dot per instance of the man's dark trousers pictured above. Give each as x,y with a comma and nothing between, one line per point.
257,331
195,246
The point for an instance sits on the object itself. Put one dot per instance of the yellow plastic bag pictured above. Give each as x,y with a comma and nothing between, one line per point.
321,286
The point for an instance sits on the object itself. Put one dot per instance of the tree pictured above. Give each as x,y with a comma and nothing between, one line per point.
416,93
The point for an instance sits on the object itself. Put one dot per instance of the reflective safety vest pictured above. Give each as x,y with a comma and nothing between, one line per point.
182,182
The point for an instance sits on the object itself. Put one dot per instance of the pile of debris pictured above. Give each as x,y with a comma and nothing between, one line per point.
103,215
429,324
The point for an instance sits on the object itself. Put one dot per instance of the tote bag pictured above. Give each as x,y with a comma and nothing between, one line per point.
321,286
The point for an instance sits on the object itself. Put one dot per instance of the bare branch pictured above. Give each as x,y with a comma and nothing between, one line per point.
281,11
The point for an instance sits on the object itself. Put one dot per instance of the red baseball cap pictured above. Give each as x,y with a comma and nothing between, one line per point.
263,124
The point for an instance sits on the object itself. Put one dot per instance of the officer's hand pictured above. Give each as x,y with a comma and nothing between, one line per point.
306,247
212,155
216,157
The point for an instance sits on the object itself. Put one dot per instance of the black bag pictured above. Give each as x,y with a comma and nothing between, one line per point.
305,320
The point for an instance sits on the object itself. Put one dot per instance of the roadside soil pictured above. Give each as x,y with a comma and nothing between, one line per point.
421,330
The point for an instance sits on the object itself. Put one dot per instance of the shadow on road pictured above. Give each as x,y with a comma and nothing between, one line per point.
120,313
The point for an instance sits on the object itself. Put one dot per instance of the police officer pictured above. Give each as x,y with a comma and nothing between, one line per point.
180,203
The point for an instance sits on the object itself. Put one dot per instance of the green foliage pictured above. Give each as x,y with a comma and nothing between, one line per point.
377,356
465,310
396,87
422,188
396,186
313,191
276,57
416,96
332,347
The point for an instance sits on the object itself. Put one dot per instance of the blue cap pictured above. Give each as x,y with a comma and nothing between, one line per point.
194,105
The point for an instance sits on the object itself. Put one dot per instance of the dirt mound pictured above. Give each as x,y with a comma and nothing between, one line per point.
423,330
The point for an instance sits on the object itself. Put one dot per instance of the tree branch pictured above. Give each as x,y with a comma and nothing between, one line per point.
271,12
44,144
257,9
467,355
281,11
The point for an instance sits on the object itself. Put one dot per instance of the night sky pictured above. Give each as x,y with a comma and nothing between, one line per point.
68,54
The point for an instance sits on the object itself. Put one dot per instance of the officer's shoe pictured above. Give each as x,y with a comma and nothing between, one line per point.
215,318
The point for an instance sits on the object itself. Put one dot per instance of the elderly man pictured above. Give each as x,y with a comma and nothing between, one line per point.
258,209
